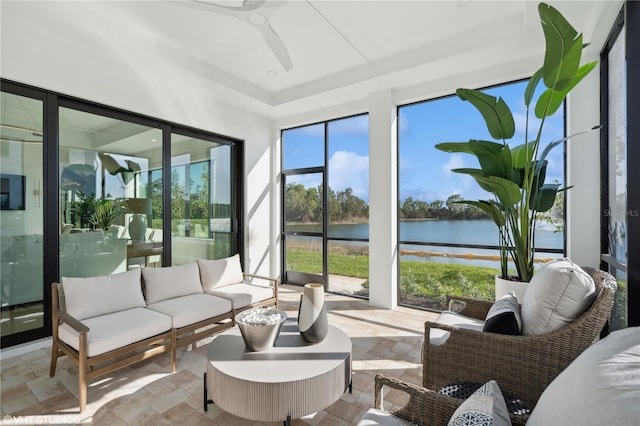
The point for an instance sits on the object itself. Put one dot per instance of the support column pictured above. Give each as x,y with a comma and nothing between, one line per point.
383,201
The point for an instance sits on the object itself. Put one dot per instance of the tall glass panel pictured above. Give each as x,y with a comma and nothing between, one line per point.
303,147
446,246
109,222
21,214
617,212
202,208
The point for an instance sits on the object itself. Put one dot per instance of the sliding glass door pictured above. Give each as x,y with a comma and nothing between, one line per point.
21,216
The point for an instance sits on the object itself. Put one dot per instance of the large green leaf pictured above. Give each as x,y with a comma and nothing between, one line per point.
563,48
544,198
522,155
454,147
505,190
531,87
555,97
489,207
497,115
494,158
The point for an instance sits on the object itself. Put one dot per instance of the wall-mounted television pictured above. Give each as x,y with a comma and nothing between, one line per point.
12,191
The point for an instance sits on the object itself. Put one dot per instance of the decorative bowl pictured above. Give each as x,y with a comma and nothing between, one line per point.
260,327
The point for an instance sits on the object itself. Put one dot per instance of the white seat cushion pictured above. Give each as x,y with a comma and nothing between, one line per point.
557,295
438,337
220,272
187,310
113,331
375,417
600,387
242,295
171,281
94,296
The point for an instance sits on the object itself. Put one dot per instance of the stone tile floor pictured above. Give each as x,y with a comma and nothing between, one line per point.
384,341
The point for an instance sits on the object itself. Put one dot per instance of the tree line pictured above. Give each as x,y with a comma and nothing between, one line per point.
305,205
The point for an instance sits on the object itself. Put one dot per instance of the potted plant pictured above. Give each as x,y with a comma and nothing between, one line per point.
105,212
515,175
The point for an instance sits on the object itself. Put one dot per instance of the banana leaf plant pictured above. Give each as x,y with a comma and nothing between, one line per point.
515,176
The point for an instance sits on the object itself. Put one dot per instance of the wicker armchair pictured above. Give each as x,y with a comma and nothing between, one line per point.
522,365
425,407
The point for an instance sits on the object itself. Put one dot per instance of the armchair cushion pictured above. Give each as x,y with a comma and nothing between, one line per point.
242,295
172,281
557,295
438,336
600,387
187,310
94,296
220,272
486,407
504,316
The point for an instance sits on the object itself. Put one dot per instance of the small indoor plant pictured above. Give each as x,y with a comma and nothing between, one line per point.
515,176
105,212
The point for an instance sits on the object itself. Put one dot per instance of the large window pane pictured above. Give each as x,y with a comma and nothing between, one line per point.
201,199
429,193
303,147
106,210
21,214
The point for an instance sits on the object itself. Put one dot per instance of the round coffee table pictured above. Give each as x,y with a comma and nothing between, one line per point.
289,381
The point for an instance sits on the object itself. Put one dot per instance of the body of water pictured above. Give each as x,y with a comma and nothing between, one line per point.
477,232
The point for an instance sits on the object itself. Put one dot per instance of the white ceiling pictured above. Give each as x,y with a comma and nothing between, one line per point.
341,51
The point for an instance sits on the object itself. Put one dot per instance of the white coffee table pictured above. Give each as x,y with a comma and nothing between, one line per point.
289,381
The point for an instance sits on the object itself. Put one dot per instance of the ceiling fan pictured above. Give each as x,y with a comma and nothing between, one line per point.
257,13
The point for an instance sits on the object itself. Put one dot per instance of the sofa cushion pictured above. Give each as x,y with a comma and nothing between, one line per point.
187,310
600,387
242,295
558,294
437,337
504,316
486,407
220,272
93,296
375,417
115,330
172,281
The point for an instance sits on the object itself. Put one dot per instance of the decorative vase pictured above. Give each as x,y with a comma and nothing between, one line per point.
506,286
312,314
137,228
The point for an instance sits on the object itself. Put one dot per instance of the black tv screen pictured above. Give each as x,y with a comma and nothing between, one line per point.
12,192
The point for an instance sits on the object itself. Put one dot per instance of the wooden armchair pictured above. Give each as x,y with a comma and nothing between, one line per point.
523,365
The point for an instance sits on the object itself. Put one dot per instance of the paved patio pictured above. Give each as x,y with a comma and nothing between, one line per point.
383,342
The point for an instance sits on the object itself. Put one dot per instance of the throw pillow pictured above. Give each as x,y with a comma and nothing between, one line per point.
558,294
504,316
220,272
172,281
486,407
600,387
93,296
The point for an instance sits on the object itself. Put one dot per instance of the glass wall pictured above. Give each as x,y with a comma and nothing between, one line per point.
447,247
202,206
326,204
105,195
21,214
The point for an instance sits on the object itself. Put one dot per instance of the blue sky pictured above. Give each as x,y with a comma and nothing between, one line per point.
425,172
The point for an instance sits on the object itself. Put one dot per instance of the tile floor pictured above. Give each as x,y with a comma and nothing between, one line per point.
384,341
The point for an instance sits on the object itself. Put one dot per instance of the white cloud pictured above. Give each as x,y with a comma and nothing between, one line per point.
349,170
358,125
456,161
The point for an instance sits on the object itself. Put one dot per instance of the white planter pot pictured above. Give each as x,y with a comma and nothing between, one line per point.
507,286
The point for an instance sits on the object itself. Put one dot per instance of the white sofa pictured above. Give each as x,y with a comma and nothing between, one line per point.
108,322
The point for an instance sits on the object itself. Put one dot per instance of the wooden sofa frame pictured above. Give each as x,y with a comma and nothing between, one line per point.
92,367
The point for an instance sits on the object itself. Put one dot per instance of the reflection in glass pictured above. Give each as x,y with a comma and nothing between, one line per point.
21,214
201,199
617,212
105,213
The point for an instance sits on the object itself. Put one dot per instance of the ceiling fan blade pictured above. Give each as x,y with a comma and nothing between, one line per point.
278,48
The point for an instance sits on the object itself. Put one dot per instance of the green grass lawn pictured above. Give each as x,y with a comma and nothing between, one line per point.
419,281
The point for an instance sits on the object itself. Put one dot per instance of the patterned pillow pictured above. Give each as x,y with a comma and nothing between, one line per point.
504,316
486,407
